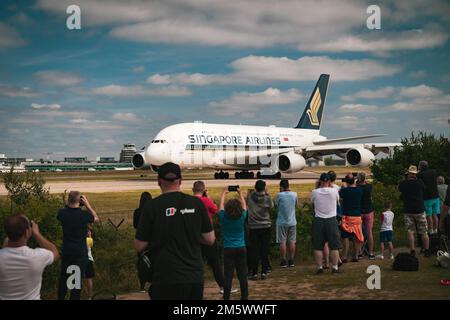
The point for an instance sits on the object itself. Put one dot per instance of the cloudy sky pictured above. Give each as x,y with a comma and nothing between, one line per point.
137,66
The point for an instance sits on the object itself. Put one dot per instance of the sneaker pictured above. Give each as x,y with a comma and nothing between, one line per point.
391,256
233,290
380,256
360,256
319,271
412,252
426,253
291,263
263,276
335,271
269,269
253,277
371,257
445,282
283,264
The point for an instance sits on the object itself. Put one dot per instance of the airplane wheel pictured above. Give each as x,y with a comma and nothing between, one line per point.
216,175
227,175
258,175
278,175
252,175
237,175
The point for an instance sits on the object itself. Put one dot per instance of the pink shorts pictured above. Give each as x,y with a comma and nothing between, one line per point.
367,219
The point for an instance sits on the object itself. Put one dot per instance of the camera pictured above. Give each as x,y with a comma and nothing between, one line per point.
233,188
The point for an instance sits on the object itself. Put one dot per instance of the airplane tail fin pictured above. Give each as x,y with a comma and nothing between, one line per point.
312,116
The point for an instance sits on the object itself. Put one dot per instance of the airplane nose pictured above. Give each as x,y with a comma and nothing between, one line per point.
158,154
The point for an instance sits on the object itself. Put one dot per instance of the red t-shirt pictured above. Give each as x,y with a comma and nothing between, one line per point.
210,207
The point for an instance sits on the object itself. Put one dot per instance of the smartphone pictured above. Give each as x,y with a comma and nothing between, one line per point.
233,188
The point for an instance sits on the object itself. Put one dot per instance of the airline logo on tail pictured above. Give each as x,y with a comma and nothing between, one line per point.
314,108
313,112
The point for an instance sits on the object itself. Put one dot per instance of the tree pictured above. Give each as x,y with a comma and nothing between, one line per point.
423,146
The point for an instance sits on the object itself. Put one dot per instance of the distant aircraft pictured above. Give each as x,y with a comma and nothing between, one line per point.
269,149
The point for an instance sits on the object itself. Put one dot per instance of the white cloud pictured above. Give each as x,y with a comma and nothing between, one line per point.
125,116
420,91
308,24
406,40
247,104
358,108
381,93
79,120
9,37
114,90
138,69
52,106
17,92
60,78
256,69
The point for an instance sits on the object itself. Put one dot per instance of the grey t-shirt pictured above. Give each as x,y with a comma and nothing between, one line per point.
259,205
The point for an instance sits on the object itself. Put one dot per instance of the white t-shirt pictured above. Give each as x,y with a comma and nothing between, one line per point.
21,272
325,202
388,218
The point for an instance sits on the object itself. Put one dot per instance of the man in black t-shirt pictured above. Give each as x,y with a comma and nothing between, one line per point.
74,222
173,226
412,190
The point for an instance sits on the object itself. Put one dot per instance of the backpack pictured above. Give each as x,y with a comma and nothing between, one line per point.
443,259
435,243
405,262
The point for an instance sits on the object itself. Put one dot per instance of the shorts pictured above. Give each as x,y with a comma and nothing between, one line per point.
325,230
432,206
416,220
90,272
286,234
386,236
367,220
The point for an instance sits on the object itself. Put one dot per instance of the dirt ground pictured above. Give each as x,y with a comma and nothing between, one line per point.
301,283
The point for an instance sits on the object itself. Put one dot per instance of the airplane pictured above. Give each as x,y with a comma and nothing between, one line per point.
270,150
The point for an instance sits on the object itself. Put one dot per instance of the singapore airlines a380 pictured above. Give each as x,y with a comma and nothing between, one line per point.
268,150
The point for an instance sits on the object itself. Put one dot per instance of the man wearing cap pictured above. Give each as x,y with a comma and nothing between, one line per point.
173,226
325,227
412,191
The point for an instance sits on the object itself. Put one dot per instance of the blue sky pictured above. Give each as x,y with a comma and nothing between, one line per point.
138,66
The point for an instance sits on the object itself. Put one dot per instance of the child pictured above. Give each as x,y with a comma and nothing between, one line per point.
90,273
232,217
386,232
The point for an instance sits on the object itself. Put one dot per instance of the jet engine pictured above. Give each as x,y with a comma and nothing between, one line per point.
139,162
359,157
290,162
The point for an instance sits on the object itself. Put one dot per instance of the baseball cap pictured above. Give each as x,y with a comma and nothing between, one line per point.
169,171
412,169
324,177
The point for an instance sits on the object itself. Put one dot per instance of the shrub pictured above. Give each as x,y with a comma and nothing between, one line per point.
423,146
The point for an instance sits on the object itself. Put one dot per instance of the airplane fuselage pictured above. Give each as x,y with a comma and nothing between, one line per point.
205,145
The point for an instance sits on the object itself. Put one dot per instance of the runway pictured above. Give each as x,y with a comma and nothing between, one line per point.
151,184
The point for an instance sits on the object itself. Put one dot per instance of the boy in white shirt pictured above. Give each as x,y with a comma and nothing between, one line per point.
386,230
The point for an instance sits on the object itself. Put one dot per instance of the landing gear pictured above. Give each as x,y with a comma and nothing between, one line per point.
244,175
277,175
221,175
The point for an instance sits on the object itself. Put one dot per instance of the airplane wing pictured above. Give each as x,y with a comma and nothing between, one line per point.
341,149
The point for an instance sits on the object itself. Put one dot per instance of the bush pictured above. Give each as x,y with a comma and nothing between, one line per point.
435,150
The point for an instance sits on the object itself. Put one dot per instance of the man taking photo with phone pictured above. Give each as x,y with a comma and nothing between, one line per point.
74,221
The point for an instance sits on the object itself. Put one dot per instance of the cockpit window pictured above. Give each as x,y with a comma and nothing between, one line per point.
159,141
